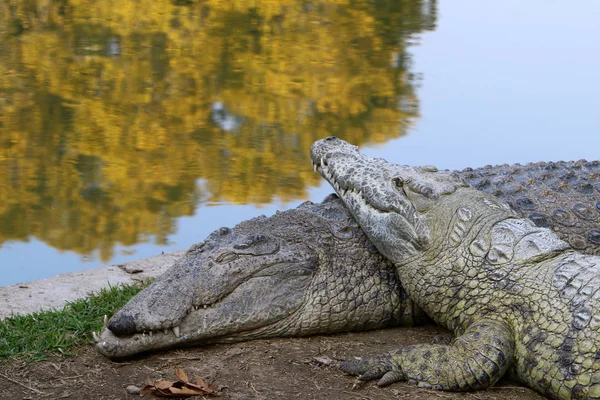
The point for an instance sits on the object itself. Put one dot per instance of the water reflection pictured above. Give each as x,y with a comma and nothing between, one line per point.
111,114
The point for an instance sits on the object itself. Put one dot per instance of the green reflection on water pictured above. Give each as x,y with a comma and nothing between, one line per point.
111,111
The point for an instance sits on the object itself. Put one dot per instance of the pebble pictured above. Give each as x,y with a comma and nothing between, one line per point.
132,389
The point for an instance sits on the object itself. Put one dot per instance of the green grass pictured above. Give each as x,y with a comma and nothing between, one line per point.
35,336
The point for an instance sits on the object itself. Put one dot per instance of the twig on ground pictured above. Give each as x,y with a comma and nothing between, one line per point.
20,384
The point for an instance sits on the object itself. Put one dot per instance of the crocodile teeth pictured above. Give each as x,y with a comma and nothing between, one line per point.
166,331
150,333
96,336
205,306
176,330
314,167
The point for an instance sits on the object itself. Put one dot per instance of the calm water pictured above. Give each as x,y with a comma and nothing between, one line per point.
134,127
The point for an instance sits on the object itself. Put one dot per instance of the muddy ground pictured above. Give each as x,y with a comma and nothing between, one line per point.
261,369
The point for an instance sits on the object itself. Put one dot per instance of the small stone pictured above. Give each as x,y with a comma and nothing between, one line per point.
132,389
131,268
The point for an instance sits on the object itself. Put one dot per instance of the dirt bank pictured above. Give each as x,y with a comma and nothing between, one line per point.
262,369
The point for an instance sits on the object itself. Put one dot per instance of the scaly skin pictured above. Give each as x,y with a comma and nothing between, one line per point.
169,303
517,297
562,196
291,274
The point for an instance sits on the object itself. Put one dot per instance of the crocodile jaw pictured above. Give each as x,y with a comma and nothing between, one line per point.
389,201
253,309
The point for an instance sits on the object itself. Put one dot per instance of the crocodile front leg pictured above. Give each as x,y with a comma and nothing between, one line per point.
474,360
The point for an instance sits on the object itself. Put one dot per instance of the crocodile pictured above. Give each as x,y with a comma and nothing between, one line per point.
230,280
284,275
519,300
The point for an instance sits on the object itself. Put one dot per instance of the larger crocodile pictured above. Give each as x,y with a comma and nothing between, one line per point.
518,298
231,273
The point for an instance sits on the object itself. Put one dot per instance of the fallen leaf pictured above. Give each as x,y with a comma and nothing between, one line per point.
180,388
185,391
164,384
181,375
146,390
202,384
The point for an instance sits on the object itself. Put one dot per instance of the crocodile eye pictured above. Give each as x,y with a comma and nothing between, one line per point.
250,241
398,182
256,245
226,257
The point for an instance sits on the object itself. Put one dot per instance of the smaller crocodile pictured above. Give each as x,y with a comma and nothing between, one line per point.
291,274
519,299
171,311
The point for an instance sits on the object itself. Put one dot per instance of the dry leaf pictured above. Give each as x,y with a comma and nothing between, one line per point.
202,384
185,391
182,376
163,384
180,388
146,390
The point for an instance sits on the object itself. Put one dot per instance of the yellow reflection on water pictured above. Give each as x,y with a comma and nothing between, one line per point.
112,111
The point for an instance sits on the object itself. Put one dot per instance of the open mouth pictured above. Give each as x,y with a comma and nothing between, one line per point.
369,209
346,192
328,174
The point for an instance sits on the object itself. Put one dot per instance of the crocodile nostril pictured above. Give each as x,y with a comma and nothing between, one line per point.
330,139
122,324
224,231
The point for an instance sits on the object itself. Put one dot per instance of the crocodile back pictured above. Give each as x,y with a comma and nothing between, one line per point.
563,196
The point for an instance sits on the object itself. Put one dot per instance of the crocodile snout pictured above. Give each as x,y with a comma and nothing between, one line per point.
122,324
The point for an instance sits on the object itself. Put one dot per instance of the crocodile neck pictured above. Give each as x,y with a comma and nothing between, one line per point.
485,233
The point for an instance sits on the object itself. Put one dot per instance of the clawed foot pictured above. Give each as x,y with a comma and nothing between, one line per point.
379,367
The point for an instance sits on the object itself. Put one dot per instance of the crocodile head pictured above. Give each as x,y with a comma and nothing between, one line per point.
391,202
288,275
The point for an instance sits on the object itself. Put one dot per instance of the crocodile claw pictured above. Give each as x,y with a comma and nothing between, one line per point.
379,367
